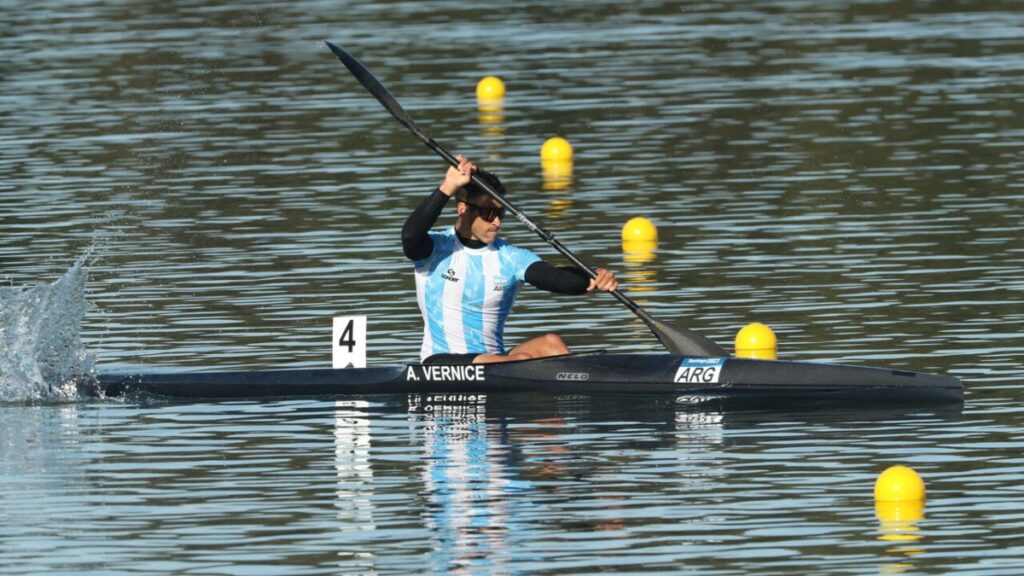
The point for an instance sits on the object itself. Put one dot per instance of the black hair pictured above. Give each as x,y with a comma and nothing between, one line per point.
471,192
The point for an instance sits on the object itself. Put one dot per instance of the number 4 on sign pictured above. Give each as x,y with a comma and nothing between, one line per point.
349,347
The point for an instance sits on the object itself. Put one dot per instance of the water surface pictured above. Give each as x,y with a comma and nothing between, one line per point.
848,173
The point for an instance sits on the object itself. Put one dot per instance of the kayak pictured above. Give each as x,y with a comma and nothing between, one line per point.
594,373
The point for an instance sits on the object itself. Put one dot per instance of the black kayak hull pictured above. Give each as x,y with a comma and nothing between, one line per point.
574,374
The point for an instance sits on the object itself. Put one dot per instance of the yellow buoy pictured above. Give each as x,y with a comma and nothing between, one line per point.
756,340
899,483
556,148
639,229
490,88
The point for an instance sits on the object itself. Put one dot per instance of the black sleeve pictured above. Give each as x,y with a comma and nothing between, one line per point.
564,280
416,243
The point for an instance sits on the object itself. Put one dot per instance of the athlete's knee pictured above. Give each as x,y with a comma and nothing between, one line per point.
553,344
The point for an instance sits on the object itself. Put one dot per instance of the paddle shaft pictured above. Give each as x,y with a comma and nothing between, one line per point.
677,340
546,236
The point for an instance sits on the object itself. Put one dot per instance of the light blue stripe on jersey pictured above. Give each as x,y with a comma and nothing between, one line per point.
472,303
509,269
433,300
435,309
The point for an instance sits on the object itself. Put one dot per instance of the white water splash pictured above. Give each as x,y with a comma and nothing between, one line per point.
41,352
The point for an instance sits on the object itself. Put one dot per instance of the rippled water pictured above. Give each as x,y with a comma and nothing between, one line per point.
848,173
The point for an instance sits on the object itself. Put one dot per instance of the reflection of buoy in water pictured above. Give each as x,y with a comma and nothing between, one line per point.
491,115
490,88
556,148
557,174
898,520
639,251
559,208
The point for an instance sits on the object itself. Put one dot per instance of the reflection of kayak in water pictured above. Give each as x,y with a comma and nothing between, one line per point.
697,377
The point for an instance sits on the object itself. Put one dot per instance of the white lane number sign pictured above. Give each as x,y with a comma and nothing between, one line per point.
349,347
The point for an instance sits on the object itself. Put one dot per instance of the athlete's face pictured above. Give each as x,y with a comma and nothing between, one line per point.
484,217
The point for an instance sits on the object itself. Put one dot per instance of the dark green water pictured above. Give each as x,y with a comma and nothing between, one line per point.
848,173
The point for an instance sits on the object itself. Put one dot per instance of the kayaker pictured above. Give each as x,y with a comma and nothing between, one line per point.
467,277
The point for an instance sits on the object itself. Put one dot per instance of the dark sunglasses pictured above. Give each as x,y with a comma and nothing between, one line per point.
489,213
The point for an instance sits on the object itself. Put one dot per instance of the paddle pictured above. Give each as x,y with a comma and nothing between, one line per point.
676,339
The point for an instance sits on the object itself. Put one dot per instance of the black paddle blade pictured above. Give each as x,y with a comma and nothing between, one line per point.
683,342
378,91
370,82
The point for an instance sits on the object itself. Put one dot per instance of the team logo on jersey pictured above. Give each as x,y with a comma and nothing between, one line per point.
501,284
450,275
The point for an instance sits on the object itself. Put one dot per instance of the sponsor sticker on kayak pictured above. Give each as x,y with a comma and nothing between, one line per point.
700,370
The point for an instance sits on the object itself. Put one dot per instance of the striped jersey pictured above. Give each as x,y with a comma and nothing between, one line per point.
466,294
